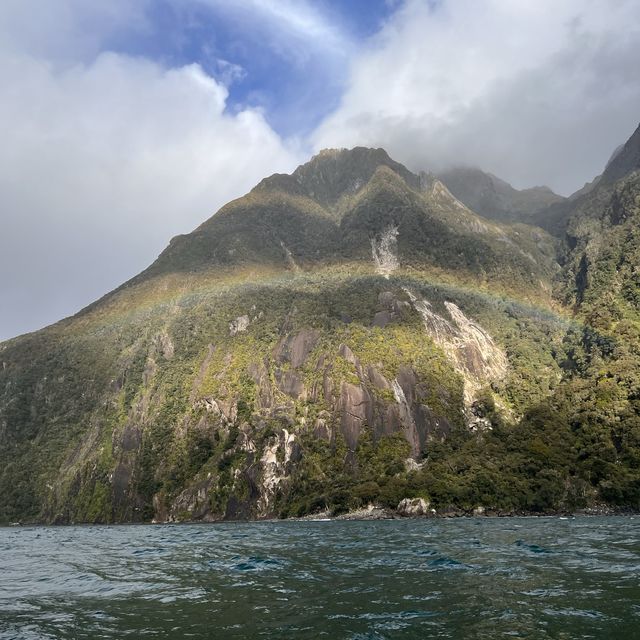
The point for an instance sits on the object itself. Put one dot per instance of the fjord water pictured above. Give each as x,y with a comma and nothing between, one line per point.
458,578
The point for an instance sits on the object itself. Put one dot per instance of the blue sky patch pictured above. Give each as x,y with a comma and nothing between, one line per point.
296,77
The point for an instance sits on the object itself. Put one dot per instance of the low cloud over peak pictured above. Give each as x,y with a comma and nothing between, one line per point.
536,92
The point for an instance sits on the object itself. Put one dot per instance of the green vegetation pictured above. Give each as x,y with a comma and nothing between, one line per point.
156,402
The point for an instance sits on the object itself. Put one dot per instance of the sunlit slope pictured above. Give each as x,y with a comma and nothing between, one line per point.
348,334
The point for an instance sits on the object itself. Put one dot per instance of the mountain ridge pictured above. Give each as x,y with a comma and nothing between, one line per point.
348,334
495,198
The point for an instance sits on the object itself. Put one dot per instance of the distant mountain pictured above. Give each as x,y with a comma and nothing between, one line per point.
346,335
494,198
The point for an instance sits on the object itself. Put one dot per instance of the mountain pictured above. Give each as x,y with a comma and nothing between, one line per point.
601,233
625,160
329,211
351,333
494,198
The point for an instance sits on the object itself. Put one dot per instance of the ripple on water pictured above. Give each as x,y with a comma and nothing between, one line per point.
551,592
576,613
458,578
258,563
533,548
152,551
446,563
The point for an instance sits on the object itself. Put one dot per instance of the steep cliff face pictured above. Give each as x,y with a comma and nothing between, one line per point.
227,403
471,350
344,335
600,231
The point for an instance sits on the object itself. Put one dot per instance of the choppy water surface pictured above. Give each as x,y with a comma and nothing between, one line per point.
464,578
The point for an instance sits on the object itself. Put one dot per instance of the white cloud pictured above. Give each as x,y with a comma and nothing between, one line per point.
298,19
101,164
65,30
537,91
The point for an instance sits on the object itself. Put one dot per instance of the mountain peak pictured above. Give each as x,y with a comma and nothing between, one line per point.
625,160
333,173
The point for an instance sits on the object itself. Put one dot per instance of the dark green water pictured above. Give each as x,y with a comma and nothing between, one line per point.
464,578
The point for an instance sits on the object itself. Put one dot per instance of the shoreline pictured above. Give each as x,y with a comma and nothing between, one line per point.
360,515
377,513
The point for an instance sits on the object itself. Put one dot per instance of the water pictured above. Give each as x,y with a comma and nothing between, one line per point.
463,578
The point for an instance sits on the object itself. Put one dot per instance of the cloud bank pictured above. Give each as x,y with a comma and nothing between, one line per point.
101,163
536,91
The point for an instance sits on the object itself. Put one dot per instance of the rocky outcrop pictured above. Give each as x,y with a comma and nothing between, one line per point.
191,504
239,325
413,507
225,410
293,395
384,248
355,408
295,349
164,345
277,457
391,309
290,383
469,347
260,375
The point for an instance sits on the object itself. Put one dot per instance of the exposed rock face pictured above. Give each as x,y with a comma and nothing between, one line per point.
193,503
481,356
471,349
295,349
412,507
164,345
392,309
359,406
355,407
289,256
370,512
276,461
385,251
239,325
290,382
322,426
226,411
411,465
405,415
260,376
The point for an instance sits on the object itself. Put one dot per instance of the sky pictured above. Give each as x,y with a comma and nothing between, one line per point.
126,122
